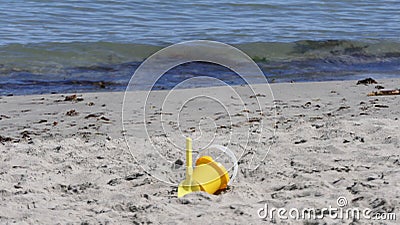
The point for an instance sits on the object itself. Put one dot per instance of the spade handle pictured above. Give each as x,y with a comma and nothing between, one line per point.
189,167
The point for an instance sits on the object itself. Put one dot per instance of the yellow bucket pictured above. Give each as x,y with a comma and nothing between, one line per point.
210,175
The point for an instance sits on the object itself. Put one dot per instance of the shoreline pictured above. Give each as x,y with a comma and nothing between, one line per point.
382,80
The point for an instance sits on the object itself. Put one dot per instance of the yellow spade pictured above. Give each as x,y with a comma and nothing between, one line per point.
208,175
188,185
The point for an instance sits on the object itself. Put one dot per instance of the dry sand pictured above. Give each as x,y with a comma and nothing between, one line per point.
67,162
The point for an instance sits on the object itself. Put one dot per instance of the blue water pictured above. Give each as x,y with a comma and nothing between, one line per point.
164,22
84,42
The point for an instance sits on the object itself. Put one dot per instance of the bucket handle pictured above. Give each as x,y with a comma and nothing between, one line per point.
228,152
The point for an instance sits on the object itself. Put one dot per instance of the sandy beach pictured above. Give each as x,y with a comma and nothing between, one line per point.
64,160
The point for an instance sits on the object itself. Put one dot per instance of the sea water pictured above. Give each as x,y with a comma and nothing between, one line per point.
71,46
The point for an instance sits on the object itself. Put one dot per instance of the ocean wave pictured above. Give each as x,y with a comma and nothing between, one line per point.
80,66
39,58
